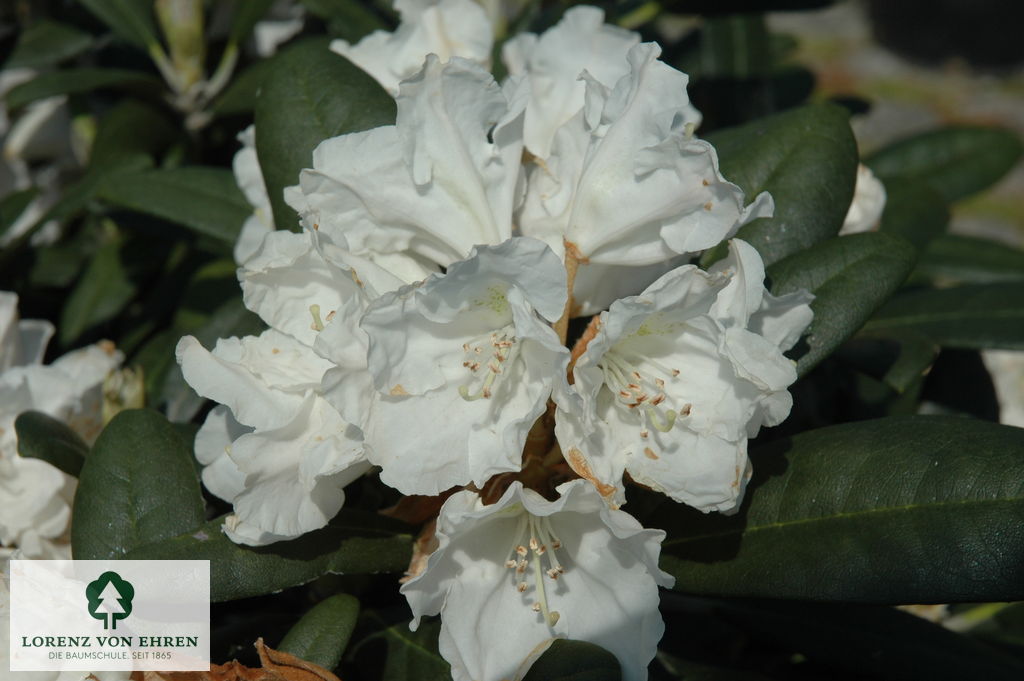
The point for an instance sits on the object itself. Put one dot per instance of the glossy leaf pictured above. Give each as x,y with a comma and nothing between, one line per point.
971,316
807,159
354,542
130,129
913,211
47,42
131,20
71,81
99,295
850,277
965,259
137,486
13,205
395,653
322,634
898,510
956,161
246,15
240,96
575,661
309,95
204,199
40,436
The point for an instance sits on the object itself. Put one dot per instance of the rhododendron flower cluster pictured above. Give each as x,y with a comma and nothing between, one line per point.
419,324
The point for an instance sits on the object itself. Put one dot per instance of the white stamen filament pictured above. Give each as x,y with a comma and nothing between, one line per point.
636,390
541,542
503,350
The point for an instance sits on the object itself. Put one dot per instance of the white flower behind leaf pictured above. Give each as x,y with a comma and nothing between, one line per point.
249,177
35,497
511,577
867,205
626,182
464,364
676,379
441,180
446,28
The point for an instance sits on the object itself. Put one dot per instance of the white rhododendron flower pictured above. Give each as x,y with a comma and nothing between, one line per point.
438,182
626,182
249,177
283,455
35,497
675,380
511,577
446,28
553,63
472,350
867,205
1007,370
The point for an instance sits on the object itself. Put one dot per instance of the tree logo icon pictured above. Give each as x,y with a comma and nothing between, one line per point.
110,598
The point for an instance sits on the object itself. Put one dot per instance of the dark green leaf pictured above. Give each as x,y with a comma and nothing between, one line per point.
850,277
406,655
204,199
138,486
829,511
13,205
807,159
309,95
971,316
735,46
84,79
41,436
100,294
913,211
47,42
965,259
322,634
247,13
575,661
354,542
230,319
131,20
240,96
956,161
130,129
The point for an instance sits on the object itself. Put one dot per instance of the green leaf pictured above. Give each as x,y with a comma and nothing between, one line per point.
406,654
45,43
309,95
240,96
131,20
247,13
965,259
84,79
13,205
913,211
807,159
137,486
575,661
128,130
735,46
974,316
100,294
204,199
322,634
956,161
354,542
41,436
920,509
850,277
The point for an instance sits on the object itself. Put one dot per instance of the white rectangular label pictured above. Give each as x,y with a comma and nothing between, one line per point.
110,615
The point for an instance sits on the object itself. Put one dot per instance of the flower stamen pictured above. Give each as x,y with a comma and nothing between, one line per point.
503,347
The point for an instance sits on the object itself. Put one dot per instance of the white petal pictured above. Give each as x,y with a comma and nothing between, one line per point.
439,182
867,205
220,474
580,41
446,28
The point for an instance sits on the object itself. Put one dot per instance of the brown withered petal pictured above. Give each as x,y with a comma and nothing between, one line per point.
277,666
